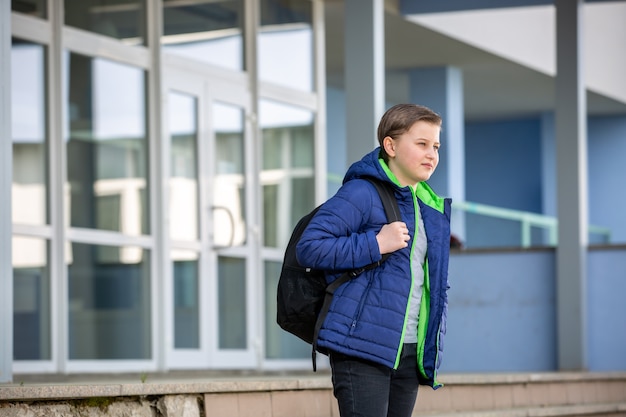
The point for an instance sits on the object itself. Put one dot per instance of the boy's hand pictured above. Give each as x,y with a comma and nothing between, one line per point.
393,236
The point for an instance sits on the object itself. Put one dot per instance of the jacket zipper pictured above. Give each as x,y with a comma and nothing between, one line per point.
361,306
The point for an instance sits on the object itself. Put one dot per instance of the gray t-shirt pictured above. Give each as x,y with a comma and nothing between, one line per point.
417,268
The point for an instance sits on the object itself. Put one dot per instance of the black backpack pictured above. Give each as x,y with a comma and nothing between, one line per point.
303,297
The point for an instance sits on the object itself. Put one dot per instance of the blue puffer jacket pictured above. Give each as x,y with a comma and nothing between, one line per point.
367,315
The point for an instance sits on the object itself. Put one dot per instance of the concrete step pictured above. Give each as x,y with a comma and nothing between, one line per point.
595,410
539,392
310,395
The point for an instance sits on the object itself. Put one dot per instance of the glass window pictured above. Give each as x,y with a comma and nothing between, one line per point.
232,303
210,31
229,214
186,304
270,215
107,146
286,25
119,19
35,8
183,190
109,302
29,191
288,169
31,299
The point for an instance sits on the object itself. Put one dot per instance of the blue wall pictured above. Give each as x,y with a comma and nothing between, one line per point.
503,163
503,169
606,289
435,6
502,312
607,174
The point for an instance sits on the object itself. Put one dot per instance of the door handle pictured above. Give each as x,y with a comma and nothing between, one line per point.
231,218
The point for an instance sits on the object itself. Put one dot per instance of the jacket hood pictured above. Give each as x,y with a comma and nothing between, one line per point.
368,166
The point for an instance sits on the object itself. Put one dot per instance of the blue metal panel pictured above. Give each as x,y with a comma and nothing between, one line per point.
435,6
438,6
607,171
501,315
606,319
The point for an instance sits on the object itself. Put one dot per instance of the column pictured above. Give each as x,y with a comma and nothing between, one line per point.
364,75
571,155
441,89
158,201
6,173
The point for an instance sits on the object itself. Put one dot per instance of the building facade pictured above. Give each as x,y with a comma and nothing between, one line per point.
155,155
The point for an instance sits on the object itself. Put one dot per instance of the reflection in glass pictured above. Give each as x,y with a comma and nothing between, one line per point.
119,19
34,8
271,211
109,302
287,174
232,303
186,305
229,219
209,31
107,147
183,190
279,344
286,26
29,190
31,299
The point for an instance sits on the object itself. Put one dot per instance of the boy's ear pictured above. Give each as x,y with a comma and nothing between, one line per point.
388,144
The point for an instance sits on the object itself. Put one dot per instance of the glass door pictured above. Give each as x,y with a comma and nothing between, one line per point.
209,285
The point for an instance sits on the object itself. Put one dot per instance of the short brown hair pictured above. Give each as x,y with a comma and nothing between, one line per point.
399,119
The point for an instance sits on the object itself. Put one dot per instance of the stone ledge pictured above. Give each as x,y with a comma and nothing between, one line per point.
516,378
126,387
77,390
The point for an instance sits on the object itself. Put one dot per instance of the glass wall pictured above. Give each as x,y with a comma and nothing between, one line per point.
184,223
288,171
31,299
183,183
229,197
287,26
210,31
34,8
232,303
29,133
115,212
109,302
29,198
288,185
120,19
186,299
107,150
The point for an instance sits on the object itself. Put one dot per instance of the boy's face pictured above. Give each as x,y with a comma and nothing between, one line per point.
414,155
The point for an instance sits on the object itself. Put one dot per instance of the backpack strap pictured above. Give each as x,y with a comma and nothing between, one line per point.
388,198
392,212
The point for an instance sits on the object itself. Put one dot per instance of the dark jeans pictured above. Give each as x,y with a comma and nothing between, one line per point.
367,389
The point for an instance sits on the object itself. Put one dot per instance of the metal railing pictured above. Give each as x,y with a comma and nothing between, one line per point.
527,221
